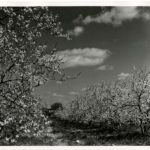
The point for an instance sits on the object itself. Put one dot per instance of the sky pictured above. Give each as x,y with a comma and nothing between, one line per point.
106,44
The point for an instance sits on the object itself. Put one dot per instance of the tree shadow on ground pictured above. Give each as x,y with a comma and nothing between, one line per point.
72,133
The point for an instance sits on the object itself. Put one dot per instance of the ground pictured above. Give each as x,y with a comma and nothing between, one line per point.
63,133
66,134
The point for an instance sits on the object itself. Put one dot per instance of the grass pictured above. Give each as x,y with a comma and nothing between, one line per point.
75,134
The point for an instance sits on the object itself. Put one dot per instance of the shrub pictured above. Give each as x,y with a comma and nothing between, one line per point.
56,106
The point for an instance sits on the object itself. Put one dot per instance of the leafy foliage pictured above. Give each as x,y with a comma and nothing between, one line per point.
56,106
25,63
120,104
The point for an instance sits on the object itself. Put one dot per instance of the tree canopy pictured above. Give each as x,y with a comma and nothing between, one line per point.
25,63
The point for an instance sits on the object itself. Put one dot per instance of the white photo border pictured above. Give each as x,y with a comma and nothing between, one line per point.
74,3
52,3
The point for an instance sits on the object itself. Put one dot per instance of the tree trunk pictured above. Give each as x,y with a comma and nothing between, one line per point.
142,127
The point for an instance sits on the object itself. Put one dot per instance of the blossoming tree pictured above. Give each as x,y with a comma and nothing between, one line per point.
25,63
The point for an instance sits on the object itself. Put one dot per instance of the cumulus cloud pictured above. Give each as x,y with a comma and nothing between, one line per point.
73,93
78,30
58,82
116,16
78,19
104,67
58,95
146,16
83,57
83,89
123,76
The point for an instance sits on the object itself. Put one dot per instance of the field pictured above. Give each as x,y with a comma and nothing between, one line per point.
65,133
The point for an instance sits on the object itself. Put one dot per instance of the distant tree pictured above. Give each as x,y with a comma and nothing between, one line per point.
25,63
91,106
119,104
56,106
136,104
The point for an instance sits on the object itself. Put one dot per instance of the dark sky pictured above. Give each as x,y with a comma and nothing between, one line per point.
106,44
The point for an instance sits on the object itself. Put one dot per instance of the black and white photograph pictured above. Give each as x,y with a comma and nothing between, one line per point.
75,76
